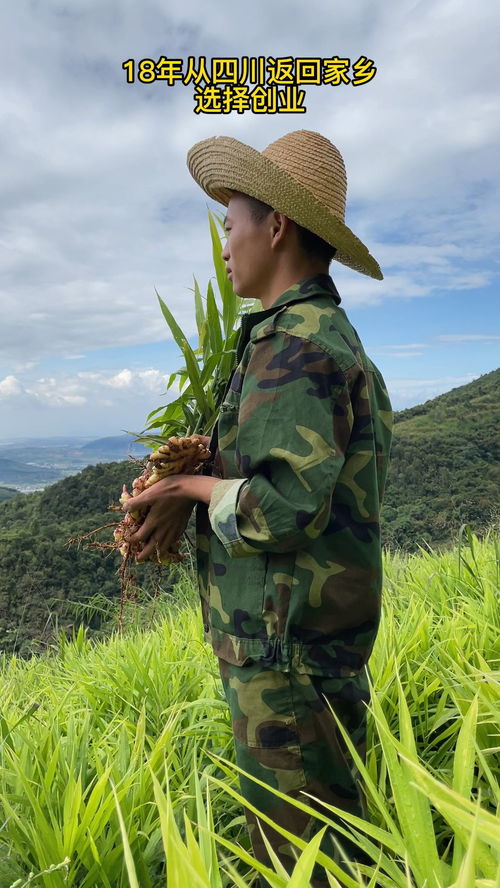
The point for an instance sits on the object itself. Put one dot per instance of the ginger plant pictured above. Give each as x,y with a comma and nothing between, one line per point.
208,366
175,431
202,384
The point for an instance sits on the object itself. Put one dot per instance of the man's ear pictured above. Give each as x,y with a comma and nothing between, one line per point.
280,226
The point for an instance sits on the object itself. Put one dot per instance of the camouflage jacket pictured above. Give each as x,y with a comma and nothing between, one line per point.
288,551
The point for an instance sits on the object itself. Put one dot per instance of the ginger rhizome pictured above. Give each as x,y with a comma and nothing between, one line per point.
179,456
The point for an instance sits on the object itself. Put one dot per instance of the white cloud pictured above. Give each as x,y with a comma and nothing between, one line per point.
360,290
153,380
408,345
10,387
122,379
55,392
468,337
404,354
409,350
73,399
85,387
409,392
84,403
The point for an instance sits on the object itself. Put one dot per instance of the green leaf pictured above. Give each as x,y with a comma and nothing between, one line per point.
190,419
127,853
176,331
463,770
156,410
205,340
195,378
303,868
199,310
213,320
412,808
223,281
210,366
463,815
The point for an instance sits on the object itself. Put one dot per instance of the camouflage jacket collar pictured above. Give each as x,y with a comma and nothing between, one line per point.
306,288
298,292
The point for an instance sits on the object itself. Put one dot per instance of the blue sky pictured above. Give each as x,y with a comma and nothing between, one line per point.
99,208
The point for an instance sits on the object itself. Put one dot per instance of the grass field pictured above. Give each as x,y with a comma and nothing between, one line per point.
116,756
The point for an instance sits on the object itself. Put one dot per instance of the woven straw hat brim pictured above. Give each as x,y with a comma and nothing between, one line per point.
221,165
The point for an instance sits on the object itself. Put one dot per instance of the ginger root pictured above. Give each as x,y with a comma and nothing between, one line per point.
178,456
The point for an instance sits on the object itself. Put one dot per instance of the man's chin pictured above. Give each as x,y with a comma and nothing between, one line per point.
241,293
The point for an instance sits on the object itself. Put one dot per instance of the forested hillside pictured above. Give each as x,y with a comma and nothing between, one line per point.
41,577
444,472
445,468
7,493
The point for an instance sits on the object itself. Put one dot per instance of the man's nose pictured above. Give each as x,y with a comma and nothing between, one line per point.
225,253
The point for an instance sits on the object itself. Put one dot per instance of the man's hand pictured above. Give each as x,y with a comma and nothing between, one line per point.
169,505
166,518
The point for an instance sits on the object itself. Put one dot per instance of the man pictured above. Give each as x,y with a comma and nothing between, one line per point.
288,538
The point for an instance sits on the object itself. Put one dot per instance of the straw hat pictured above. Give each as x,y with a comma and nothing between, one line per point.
301,175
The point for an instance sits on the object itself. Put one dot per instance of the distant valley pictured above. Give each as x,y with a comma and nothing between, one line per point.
29,464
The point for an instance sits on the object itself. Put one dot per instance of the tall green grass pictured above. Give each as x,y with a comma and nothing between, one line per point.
116,758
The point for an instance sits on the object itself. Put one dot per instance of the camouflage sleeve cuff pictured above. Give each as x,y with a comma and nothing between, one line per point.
223,517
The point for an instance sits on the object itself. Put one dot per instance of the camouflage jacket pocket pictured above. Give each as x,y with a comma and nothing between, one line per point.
236,602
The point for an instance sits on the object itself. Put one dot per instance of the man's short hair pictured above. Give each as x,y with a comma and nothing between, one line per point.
312,244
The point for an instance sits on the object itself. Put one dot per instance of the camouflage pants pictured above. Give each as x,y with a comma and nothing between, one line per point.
286,736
